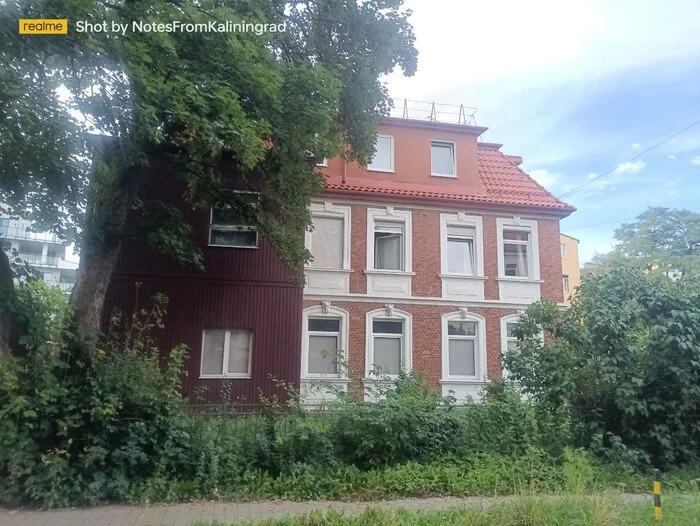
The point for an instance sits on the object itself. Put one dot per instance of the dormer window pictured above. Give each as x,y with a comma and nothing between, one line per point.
442,159
383,159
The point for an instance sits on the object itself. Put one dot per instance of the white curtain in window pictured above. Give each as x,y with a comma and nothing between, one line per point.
388,246
387,355
213,350
461,357
321,362
460,255
327,242
516,259
239,352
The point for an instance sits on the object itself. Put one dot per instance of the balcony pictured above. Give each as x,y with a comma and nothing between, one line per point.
37,260
27,235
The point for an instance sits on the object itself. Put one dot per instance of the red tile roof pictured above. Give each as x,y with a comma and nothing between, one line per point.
502,182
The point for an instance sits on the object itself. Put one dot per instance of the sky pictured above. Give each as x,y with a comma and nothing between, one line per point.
576,88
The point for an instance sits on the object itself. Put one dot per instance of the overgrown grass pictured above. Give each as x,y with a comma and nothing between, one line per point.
569,510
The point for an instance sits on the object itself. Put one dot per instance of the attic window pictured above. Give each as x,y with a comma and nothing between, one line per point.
232,227
442,159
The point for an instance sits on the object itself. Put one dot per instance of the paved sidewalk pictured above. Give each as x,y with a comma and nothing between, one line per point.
184,514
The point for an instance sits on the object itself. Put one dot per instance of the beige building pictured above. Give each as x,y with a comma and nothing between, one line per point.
571,272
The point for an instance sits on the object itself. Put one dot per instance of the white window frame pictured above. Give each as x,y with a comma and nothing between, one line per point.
330,210
512,318
480,365
227,341
565,283
330,313
323,163
234,228
391,156
453,145
406,339
465,221
388,214
562,247
533,247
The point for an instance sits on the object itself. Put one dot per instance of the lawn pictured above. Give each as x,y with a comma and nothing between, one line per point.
569,510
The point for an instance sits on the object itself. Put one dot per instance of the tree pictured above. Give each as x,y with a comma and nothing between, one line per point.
659,239
623,360
273,102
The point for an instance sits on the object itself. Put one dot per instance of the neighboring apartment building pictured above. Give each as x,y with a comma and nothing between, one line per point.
570,268
41,250
423,261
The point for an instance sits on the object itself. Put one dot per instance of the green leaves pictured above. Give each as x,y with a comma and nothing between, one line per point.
623,360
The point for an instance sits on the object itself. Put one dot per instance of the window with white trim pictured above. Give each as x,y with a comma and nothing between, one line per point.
516,253
234,226
326,242
383,158
509,341
463,347
565,282
460,250
442,158
324,343
389,343
563,251
226,353
388,245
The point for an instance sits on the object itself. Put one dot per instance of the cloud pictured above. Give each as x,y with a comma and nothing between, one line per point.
631,167
672,157
636,146
544,177
695,161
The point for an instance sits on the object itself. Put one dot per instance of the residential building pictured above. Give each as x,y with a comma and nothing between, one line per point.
423,261
42,250
570,267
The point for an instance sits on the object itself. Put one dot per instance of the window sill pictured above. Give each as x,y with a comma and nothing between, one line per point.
519,279
234,246
339,270
392,171
333,379
463,276
224,377
444,175
389,272
462,381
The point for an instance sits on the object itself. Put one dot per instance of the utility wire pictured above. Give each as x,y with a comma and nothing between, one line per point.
629,160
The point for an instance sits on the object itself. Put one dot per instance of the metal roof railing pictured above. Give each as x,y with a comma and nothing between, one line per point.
433,111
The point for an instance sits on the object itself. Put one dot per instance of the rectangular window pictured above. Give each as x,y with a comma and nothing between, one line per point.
565,280
387,346
462,345
324,340
4,226
383,160
226,353
442,158
388,245
511,341
231,227
327,242
460,250
516,253
563,251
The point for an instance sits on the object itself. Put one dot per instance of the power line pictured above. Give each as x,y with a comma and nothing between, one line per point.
630,160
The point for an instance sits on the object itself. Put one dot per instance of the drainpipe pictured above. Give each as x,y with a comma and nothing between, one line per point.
345,168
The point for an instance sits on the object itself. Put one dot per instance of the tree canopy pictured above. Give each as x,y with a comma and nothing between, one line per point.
274,103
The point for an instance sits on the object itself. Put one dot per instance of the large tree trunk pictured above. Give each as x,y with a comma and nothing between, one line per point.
101,242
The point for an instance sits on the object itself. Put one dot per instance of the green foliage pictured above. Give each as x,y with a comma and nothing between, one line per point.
623,362
81,429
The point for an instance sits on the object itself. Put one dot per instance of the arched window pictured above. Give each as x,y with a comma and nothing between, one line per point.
324,342
388,344
463,347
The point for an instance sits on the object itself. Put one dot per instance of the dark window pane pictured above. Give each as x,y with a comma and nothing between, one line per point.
387,327
516,235
461,328
510,329
324,324
234,238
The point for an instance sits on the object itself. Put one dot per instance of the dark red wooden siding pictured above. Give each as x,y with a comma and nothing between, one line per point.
240,288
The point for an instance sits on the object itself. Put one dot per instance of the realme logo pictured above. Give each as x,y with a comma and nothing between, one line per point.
43,26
